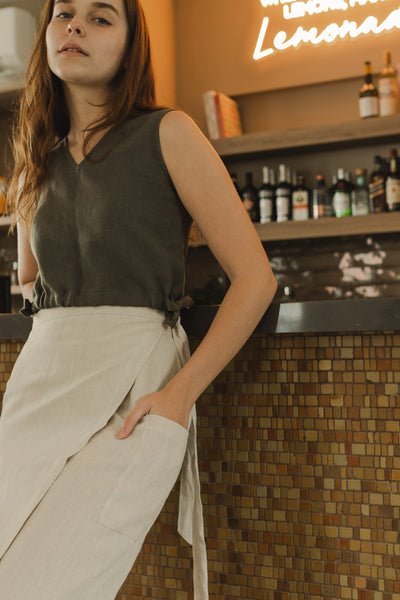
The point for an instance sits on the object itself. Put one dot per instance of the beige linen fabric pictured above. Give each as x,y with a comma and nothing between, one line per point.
75,502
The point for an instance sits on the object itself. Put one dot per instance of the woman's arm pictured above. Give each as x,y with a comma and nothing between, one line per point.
206,190
27,265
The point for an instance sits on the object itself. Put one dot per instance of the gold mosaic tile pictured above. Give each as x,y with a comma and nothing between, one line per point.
299,455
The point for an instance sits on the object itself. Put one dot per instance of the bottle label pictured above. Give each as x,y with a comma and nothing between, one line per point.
369,107
388,95
360,204
341,204
265,207
393,194
300,206
282,208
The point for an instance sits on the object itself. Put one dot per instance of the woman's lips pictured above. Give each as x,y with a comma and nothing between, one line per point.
73,49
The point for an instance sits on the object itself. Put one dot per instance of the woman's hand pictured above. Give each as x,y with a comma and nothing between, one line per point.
158,403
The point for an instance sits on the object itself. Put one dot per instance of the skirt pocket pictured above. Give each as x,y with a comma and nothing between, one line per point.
146,482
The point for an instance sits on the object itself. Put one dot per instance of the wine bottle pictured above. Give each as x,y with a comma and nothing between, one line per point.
342,196
321,202
283,196
266,197
360,199
250,198
368,100
388,88
393,184
301,208
377,191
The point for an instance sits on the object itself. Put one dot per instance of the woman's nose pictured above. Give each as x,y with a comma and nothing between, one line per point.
75,26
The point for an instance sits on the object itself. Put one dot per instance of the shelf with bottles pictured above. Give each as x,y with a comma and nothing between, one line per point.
351,133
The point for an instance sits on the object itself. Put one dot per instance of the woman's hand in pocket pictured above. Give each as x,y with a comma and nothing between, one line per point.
157,403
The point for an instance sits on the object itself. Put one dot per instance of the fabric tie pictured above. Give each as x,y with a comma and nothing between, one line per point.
174,308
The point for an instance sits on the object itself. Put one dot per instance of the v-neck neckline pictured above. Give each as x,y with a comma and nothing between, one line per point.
95,147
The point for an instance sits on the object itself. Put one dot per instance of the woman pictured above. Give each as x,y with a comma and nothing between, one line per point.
99,413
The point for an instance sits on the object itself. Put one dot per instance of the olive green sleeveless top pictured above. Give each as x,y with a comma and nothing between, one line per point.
112,232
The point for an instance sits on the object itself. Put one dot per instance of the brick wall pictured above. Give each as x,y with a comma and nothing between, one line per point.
300,467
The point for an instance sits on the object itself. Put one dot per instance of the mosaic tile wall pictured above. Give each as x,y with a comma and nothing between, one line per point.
300,466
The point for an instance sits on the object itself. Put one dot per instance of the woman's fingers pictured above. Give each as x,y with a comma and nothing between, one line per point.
131,421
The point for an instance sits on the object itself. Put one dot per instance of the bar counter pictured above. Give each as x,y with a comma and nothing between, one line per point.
299,456
374,314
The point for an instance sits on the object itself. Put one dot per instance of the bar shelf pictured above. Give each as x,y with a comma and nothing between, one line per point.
352,133
324,228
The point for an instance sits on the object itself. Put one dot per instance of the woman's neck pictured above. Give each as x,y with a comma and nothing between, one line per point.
84,109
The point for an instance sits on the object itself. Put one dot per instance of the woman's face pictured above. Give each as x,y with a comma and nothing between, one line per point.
86,41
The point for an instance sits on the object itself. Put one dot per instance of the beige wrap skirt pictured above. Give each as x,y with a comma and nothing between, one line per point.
75,502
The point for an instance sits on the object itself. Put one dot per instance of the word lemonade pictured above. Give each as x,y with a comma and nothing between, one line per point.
293,9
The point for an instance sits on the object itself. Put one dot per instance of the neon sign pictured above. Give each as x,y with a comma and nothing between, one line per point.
295,9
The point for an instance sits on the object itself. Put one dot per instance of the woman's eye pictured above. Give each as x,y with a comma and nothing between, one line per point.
102,21
63,15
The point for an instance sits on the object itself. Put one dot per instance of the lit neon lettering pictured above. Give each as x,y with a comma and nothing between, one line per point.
327,35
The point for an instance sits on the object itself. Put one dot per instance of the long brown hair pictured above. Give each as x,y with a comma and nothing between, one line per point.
43,119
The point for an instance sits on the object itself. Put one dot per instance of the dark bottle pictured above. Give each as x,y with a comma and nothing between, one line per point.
272,178
250,199
393,184
301,201
283,195
266,196
342,196
331,191
368,100
235,182
377,191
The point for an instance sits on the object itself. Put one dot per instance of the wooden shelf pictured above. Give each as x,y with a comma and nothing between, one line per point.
323,228
329,227
368,131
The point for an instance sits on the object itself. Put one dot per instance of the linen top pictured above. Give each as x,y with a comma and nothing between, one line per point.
111,232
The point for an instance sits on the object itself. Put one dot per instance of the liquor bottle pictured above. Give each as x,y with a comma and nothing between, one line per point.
352,187
301,205
272,177
331,191
321,202
250,198
235,182
368,100
388,88
360,199
377,191
283,196
266,197
342,196
393,184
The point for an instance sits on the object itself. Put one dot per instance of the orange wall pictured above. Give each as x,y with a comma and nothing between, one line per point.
160,19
